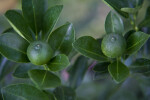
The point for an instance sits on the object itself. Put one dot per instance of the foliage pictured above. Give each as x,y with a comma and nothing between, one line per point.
112,46
35,24
29,31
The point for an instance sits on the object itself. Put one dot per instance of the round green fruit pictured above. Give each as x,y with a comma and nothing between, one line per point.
39,52
113,45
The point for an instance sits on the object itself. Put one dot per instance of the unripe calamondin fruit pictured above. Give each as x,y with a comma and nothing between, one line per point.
39,52
113,45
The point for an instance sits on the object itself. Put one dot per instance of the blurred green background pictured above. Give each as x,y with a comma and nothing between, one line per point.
88,17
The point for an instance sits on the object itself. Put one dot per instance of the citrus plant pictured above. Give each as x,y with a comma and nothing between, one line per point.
113,45
41,51
118,44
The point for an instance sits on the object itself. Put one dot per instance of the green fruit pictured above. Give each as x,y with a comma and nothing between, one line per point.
113,45
39,52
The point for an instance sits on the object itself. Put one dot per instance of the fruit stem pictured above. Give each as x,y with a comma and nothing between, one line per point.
118,58
46,68
36,37
133,18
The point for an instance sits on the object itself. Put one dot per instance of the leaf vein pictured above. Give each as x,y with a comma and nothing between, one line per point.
135,44
91,52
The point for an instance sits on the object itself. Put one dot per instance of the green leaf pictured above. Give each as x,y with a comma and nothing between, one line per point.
65,93
146,21
8,30
117,5
51,95
7,96
44,79
62,38
135,41
77,71
25,91
141,65
22,70
33,11
118,71
51,3
89,47
114,24
13,47
50,19
58,63
59,93
19,24
131,10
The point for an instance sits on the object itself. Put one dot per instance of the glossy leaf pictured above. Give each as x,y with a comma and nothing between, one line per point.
146,21
89,47
33,11
50,18
117,5
22,70
19,25
8,30
7,96
44,79
51,3
58,63
62,38
131,10
59,93
114,24
13,47
77,71
135,41
64,93
118,71
51,95
140,65
26,92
